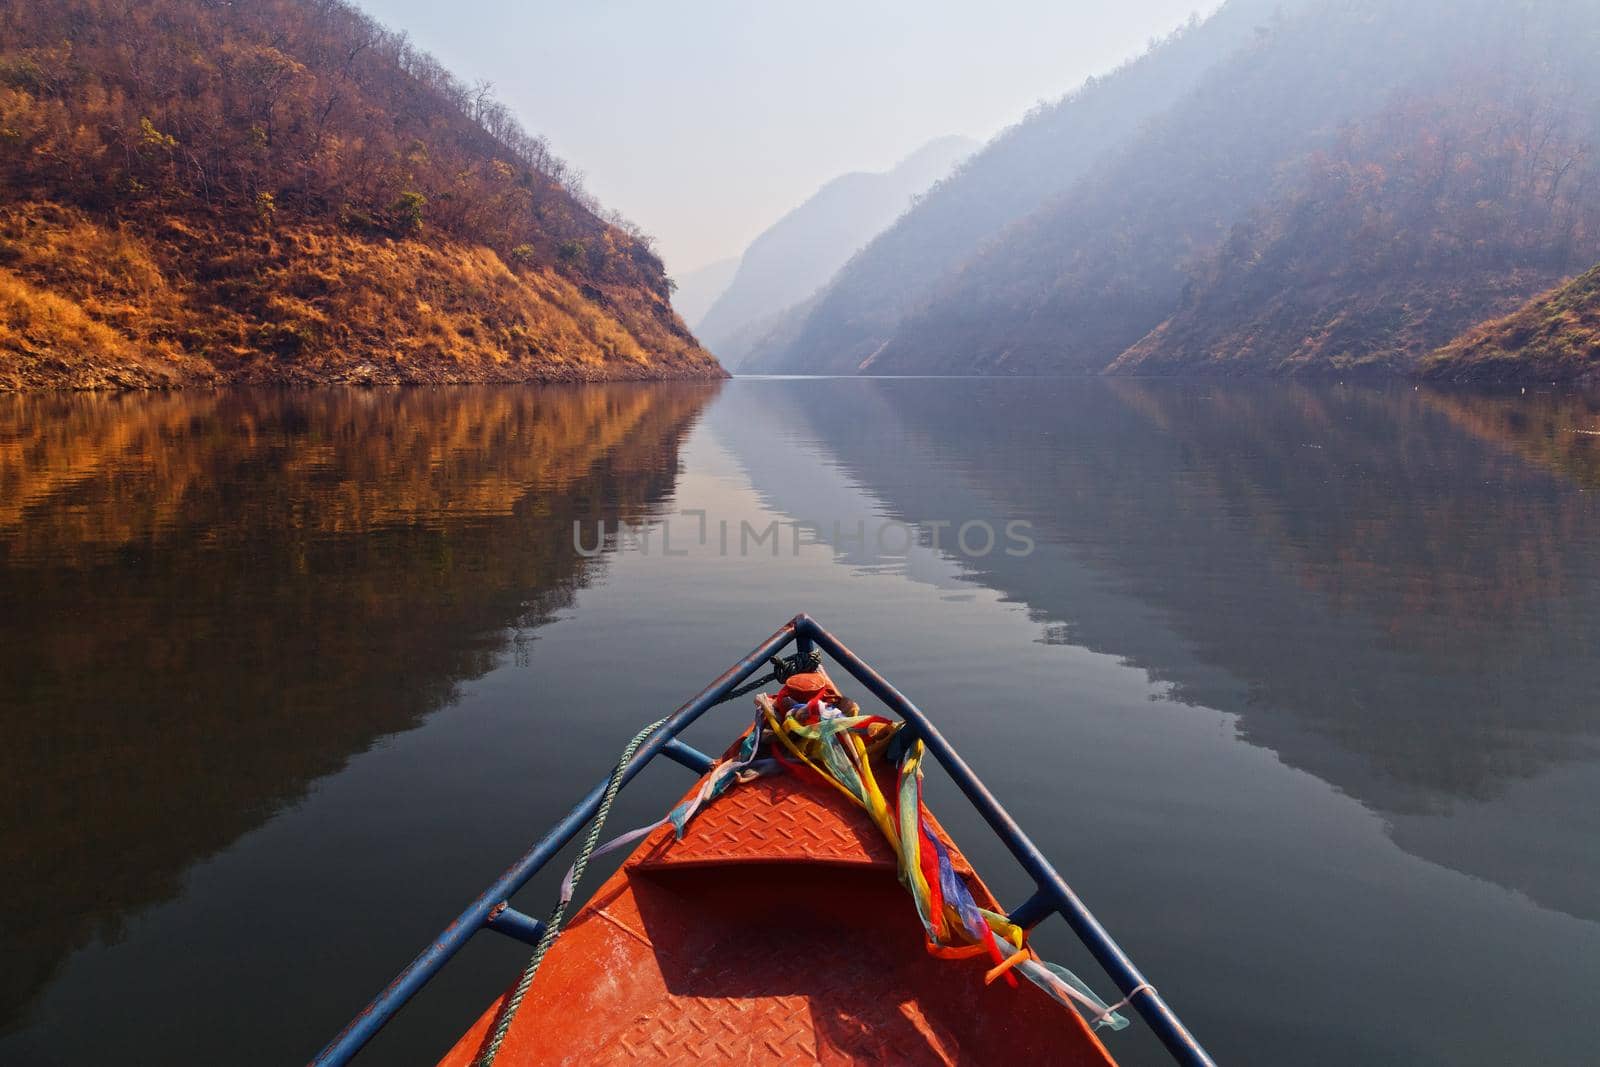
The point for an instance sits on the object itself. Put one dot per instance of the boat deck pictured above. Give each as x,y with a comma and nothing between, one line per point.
775,932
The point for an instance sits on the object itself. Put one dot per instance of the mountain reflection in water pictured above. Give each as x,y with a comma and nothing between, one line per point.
1410,612
214,598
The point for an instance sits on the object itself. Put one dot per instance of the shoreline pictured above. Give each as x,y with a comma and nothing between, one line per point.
135,379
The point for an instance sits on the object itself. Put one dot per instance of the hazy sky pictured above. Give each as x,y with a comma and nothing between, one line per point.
705,120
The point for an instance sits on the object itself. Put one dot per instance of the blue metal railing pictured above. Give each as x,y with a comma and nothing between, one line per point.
1052,894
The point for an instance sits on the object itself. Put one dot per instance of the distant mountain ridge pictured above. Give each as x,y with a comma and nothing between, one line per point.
1033,162
789,260
696,290
1344,188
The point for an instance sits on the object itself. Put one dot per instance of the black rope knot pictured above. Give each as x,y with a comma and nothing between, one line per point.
784,669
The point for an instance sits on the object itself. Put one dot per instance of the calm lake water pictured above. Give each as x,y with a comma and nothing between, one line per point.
1299,687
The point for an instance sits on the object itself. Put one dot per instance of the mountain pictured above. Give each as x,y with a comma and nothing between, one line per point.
285,191
1554,338
1348,188
1074,285
1040,158
793,257
698,289
1415,226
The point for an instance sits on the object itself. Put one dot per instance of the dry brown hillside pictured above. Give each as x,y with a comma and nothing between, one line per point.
285,191
1415,226
1554,338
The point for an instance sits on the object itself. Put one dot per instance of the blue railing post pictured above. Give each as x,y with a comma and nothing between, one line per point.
688,756
504,919
803,645
1034,910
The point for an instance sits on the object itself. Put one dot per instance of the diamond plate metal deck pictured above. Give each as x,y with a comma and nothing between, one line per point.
778,819
775,933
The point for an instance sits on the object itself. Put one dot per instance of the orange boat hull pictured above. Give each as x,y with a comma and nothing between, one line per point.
775,932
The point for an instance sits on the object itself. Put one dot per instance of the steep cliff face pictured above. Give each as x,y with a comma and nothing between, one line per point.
285,191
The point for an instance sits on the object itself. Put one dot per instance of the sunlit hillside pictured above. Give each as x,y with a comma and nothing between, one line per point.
285,190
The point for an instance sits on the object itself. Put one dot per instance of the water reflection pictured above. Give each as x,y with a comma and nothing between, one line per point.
1379,583
207,601
1560,432
211,599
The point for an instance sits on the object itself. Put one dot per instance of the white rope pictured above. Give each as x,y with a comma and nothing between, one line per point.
735,767
1142,987
567,886
1066,989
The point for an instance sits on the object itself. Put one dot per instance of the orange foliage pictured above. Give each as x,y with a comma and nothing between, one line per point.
285,189
1554,338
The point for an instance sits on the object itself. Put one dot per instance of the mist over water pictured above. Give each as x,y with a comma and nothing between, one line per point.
1295,684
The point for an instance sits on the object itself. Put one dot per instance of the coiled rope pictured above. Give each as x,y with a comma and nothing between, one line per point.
782,670
558,916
